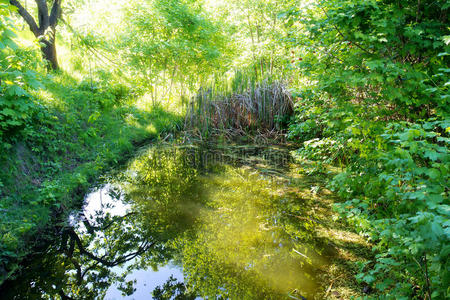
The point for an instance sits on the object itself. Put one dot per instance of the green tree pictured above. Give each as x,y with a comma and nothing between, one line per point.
170,41
45,29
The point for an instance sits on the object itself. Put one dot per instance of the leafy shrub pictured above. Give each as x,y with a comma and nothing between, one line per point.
400,198
16,78
378,101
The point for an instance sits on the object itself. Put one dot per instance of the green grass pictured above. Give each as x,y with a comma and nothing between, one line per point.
77,132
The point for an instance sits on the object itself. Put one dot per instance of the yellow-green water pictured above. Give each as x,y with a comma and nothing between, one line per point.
227,223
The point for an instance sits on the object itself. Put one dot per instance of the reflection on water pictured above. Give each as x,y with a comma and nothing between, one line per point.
145,282
186,222
108,201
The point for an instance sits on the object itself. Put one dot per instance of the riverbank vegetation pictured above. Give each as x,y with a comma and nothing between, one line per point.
361,86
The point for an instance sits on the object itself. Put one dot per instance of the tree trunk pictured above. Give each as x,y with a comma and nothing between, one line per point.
49,53
46,31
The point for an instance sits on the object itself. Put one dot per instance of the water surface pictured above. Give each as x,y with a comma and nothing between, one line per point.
189,222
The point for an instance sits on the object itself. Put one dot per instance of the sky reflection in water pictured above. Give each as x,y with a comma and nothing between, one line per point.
224,222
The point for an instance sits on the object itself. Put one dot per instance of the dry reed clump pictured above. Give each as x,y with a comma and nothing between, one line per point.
260,111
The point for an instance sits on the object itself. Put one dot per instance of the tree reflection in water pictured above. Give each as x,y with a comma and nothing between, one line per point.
234,231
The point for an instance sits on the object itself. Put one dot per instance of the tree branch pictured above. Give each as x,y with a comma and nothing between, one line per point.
144,247
79,273
64,296
90,228
27,17
43,14
91,267
55,13
344,37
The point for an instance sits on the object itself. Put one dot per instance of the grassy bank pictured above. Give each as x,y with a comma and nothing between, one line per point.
75,132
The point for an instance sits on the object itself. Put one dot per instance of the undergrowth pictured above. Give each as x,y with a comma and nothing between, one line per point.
57,135
76,134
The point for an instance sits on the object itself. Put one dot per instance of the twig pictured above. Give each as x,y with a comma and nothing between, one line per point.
344,37
331,285
300,253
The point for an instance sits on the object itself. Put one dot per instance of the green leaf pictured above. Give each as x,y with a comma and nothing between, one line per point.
433,173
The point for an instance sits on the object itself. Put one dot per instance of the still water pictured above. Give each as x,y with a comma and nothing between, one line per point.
185,222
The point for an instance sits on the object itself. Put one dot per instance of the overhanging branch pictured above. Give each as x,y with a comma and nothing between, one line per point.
55,13
344,37
27,17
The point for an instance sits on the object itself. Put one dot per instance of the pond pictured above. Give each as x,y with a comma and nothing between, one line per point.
186,222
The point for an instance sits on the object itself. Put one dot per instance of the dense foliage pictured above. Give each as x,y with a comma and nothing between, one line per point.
170,41
369,79
376,101
17,77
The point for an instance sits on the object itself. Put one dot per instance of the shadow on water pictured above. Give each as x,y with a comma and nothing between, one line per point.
188,222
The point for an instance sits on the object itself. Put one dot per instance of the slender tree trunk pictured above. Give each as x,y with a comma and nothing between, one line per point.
48,49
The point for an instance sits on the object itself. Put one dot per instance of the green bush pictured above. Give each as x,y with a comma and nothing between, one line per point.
377,103
16,79
399,197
